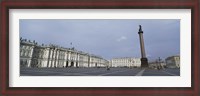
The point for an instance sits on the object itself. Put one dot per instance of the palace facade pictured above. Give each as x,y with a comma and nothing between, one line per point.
125,62
173,61
35,55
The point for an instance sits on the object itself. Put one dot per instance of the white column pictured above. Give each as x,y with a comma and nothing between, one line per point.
29,63
65,58
78,58
57,54
69,59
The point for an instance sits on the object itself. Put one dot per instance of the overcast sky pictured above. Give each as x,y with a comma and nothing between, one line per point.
109,38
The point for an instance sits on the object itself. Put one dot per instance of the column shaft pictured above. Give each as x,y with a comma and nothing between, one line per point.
142,46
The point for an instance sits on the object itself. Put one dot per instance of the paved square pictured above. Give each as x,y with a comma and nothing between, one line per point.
97,72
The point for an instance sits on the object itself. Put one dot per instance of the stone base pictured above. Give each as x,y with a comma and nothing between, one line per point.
144,62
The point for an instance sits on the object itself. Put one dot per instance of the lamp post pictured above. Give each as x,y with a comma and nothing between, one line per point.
159,62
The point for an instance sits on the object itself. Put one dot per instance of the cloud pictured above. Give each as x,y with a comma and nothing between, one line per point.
148,55
121,38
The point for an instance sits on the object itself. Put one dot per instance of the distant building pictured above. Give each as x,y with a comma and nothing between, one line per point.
34,55
173,62
125,62
157,65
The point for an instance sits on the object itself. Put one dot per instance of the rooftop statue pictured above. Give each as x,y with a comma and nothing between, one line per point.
140,29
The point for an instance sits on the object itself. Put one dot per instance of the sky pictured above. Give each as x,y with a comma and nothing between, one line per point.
108,38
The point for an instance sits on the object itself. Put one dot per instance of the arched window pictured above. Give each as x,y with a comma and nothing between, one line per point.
26,53
22,52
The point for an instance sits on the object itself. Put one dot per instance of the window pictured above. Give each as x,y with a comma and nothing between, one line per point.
25,53
28,53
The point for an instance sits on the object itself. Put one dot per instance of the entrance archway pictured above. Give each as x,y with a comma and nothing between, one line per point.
95,64
77,64
72,64
66,64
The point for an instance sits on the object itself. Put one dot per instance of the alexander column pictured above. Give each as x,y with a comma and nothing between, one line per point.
144,60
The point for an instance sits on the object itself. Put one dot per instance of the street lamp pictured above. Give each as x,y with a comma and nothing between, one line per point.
159,63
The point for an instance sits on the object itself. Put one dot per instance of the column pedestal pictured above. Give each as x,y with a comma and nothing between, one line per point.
144,62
